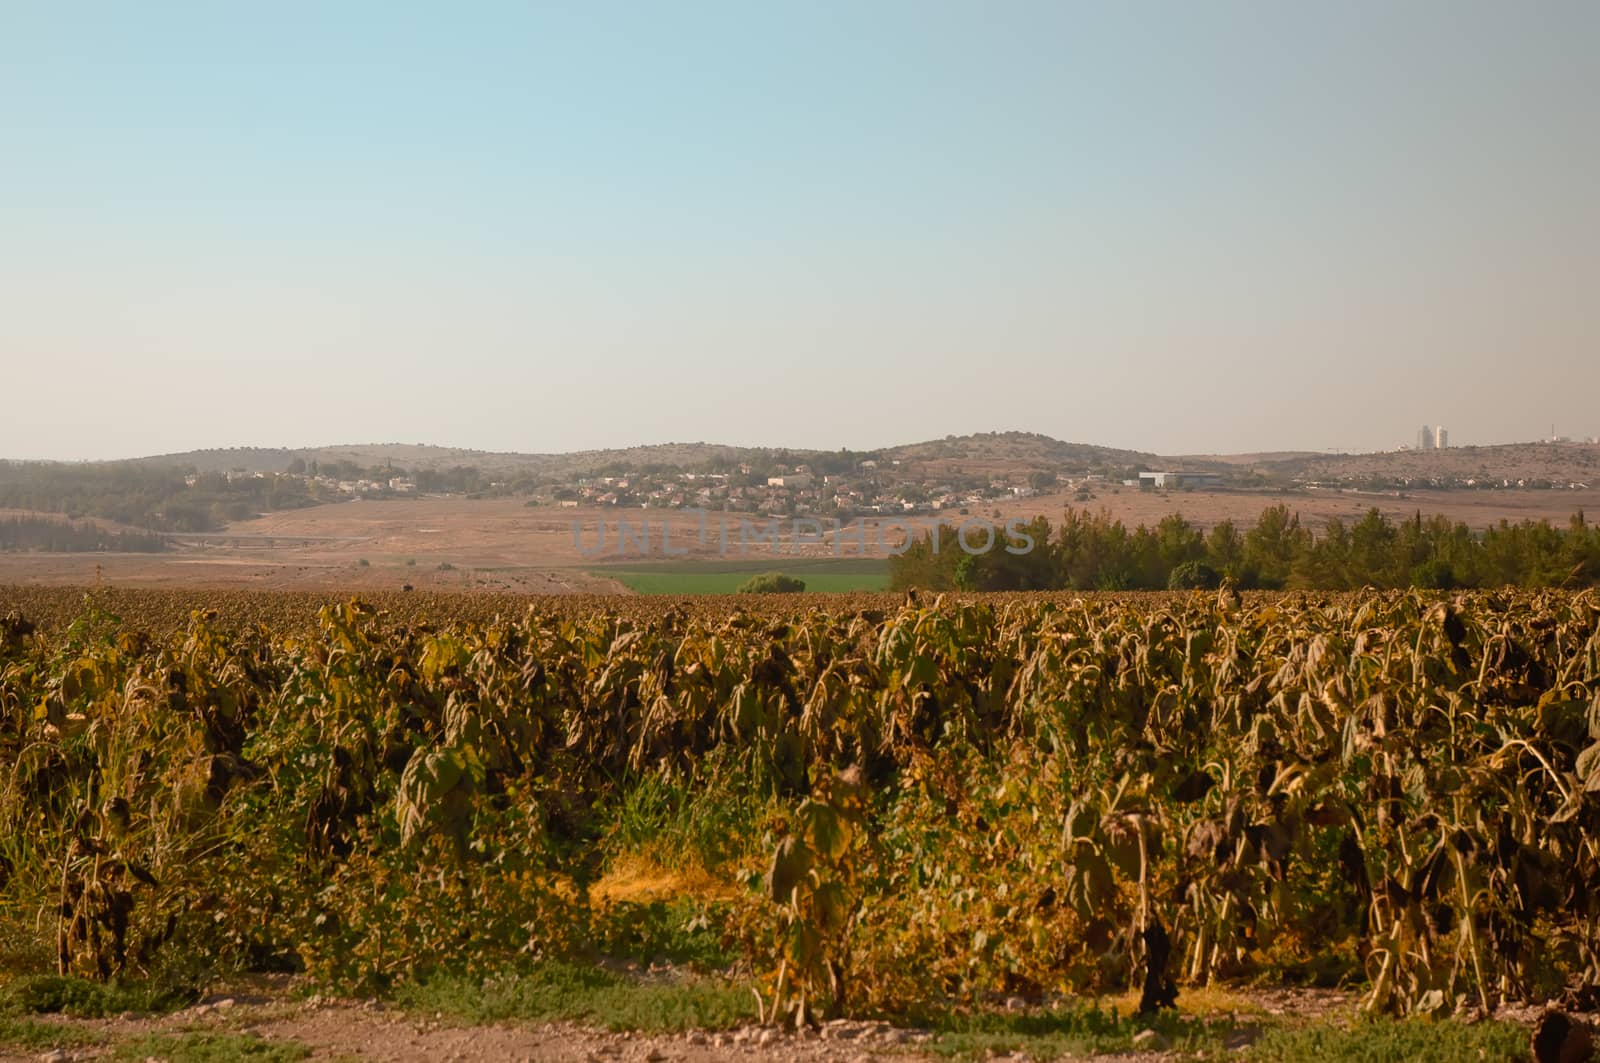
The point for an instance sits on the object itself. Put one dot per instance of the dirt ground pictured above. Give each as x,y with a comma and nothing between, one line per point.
369,1031
356,1032
505,545
351,1030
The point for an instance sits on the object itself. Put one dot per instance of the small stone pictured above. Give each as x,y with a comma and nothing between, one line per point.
696,1038
655,1055
1016,1004
839,1030
1239,1040
225,1002
56,1055
768,1036
1150,1041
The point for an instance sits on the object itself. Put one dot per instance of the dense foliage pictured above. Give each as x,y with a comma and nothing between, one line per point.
146,496
929,803
52,609
1097,552
773,583
54,535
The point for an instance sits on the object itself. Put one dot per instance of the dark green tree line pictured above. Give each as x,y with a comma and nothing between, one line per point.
1089,551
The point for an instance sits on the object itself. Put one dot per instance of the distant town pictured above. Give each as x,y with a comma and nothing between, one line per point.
869,487
205,492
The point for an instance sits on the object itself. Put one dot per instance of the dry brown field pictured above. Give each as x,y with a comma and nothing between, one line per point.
453,544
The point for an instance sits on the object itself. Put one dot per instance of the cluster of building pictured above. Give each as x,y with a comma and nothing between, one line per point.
1175,481
325,485
795,491
868,488
400,485
1436,438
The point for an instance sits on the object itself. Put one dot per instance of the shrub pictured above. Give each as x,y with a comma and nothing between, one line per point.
1436,575
772,583
1194,576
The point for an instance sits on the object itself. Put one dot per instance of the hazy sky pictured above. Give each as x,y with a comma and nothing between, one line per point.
1171,226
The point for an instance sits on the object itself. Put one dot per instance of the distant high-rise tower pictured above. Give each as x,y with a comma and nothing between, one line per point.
1425,438
1441,436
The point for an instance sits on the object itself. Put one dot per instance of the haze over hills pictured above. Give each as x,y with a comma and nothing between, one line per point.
456,518
997,447
1563,461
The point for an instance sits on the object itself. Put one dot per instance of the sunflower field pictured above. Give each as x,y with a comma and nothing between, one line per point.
888,803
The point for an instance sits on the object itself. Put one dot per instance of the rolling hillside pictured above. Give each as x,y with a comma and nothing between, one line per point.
999,452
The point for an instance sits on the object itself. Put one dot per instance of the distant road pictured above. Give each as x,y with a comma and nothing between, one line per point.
200,538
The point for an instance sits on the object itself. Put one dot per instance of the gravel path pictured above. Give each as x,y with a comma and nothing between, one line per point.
349,1031
344,1030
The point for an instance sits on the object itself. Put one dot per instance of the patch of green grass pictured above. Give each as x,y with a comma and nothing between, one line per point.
81,998
825,575
1395,1041
210,1046
588,995
31,1035
1072,1029
683,931
688,824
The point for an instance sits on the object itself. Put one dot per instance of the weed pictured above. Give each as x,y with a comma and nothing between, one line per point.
209,1046
1395,1041
81,998
588,995
1070,1029
23,1034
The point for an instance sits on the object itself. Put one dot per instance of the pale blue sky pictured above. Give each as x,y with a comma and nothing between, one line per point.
1168,226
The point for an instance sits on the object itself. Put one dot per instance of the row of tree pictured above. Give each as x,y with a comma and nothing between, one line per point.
1088,551
146,496
63,536
455,480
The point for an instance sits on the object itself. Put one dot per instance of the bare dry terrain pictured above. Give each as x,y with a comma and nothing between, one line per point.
504,544
1561,462
268,1008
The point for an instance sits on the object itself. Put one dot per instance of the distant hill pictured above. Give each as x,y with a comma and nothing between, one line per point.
1557,462
997,451
277,459
423,456
1020,448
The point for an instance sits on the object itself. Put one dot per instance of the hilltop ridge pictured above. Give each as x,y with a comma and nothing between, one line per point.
1000,452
